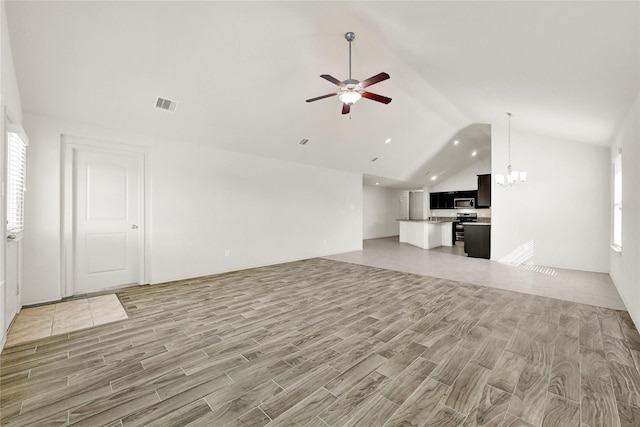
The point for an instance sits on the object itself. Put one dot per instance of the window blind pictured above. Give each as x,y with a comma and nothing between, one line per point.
16,173
617,201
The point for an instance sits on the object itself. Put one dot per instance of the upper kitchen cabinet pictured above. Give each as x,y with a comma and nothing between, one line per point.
484,191
447,199
442,200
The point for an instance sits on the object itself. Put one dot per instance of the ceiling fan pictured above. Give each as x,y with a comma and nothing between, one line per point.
352,90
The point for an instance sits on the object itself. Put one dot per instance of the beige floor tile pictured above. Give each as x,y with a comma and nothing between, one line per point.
105,309
109,317
24,324
28,334
52,319
43,311
80,305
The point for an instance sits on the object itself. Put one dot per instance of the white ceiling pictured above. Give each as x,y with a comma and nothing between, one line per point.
241,72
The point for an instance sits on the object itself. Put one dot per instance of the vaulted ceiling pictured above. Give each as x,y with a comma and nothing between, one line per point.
241,71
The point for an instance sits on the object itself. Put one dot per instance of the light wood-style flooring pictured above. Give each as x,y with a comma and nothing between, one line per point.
324,343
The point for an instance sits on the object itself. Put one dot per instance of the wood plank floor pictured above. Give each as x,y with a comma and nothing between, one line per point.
324,343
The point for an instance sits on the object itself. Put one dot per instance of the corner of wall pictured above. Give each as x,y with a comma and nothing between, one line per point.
624,267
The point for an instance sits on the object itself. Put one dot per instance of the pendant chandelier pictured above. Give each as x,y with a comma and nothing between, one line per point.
512,177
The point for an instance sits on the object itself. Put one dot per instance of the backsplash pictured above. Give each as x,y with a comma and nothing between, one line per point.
482,213
453,218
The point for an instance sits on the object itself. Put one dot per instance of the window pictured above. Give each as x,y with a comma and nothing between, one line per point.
617,202
16,163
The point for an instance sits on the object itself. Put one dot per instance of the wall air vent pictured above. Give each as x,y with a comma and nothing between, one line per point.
166,104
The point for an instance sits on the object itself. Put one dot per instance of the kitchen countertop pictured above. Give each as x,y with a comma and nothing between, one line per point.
429,221
476,223
438,220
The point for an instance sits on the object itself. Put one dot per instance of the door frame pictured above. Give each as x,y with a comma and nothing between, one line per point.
8,124
70,145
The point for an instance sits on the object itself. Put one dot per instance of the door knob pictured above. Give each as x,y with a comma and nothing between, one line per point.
11,237
134,227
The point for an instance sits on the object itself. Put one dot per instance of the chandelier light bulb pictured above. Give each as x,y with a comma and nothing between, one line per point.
512,177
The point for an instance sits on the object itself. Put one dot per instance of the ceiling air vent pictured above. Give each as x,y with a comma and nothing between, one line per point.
166,104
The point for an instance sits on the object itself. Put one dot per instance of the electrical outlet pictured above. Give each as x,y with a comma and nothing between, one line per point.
227,252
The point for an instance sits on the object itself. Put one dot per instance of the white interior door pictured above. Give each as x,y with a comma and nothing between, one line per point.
107,215
403,208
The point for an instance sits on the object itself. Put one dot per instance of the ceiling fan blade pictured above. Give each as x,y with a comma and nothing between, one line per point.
376,97
346,108
333,80
375,79
321,97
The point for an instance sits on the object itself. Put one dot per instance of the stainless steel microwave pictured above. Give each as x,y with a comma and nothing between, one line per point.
464,203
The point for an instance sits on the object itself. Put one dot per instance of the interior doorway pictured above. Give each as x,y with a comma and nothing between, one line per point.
104,193
13,172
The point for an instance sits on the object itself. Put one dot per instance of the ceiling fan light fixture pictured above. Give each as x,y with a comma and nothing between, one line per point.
349,97
351,90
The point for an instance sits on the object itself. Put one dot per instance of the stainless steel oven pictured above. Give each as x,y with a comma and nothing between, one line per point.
462,218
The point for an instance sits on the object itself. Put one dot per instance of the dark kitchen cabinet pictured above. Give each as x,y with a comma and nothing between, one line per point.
434,202
477,240
447,199
444,200
471,194
484,191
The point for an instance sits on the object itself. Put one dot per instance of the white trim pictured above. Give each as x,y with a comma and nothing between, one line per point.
3,328
69,145
16,128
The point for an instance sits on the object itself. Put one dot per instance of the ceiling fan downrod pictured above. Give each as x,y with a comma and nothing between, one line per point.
350,37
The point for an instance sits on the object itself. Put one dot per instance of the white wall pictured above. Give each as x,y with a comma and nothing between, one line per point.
625,266
9,102
563,207
381,209
204,202
466,179
8,80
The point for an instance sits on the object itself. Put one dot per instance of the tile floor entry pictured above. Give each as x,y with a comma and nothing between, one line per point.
53,319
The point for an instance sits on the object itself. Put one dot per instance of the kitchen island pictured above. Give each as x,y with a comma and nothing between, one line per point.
477,239
426,234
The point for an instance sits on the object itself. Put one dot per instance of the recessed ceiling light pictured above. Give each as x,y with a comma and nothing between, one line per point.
377,183
433,178
388,140
474,153
456,142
